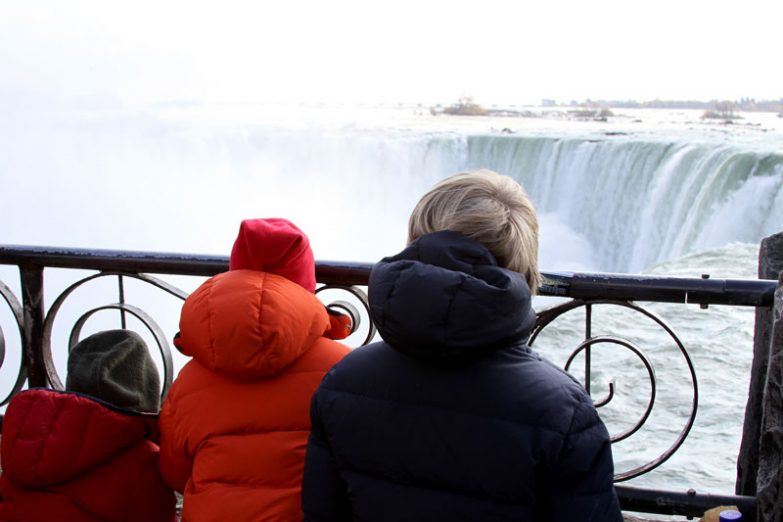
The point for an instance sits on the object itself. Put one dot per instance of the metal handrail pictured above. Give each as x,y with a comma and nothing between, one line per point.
703,291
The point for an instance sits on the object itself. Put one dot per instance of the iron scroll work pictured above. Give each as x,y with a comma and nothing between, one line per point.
17,316
160,338
546,317
124,309
584,291
37,341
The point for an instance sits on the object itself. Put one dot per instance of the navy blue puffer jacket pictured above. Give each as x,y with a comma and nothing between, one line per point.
453,417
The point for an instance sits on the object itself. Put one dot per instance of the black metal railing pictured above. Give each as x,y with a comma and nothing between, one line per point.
582,291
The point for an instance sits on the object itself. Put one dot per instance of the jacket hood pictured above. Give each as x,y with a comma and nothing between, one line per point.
445,295
246,325
50,437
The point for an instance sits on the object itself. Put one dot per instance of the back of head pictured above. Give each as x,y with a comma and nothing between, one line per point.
490,208
115,366
277,246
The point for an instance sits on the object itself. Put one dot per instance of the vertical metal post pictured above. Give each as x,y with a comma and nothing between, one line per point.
122,301
33,324
588,335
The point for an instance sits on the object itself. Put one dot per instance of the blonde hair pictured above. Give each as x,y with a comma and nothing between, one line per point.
490,208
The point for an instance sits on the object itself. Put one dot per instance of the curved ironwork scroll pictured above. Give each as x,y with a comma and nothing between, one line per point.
547,316
146,319
16,310
650,374
353,313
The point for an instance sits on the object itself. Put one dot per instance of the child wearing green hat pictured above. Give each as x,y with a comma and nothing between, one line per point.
90,452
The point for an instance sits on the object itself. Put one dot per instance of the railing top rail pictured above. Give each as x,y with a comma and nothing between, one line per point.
113,260
737,292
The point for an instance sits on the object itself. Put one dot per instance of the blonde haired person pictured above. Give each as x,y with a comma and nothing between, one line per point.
489,208
452,416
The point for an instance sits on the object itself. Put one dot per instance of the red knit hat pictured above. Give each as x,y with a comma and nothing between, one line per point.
277,246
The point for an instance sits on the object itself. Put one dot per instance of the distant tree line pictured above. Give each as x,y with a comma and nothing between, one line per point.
743,104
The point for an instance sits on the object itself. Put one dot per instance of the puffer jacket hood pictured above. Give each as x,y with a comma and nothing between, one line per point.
267,321
50,437
445,296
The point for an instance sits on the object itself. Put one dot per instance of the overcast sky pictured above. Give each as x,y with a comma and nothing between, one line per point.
401,51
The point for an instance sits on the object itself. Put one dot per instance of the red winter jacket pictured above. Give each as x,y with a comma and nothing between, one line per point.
71,458
235,423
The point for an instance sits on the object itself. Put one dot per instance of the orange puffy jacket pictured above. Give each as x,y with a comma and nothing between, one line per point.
235,423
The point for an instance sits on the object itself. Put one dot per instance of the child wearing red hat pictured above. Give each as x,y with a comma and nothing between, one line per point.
286,252
235,423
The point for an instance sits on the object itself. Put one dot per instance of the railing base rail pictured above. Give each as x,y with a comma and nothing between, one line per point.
688,503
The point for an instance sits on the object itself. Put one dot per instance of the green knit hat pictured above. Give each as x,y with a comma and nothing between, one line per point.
115,366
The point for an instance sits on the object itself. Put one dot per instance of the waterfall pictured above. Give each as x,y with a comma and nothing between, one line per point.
642,202
607,203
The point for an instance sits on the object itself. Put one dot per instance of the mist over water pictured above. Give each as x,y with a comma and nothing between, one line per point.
671,200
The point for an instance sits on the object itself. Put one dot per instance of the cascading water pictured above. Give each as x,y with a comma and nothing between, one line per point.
642,202
607,203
